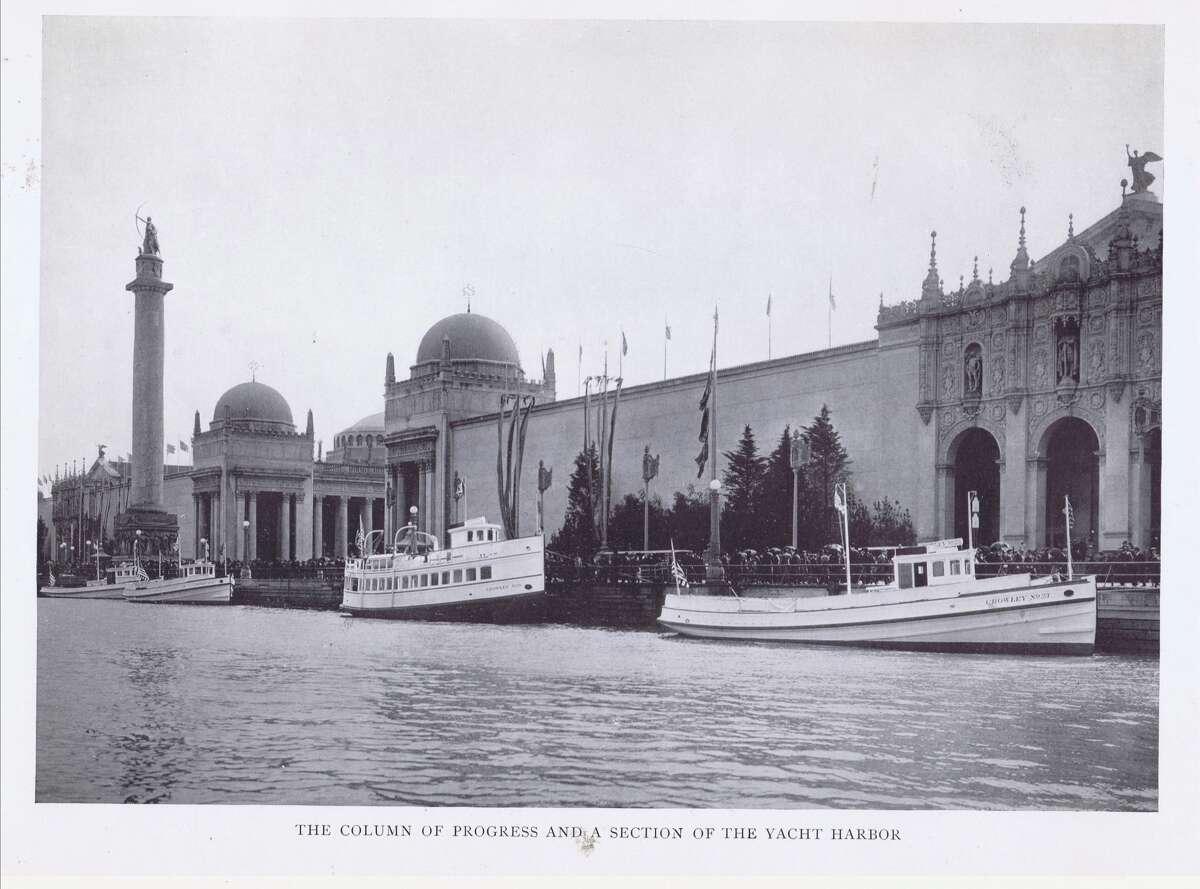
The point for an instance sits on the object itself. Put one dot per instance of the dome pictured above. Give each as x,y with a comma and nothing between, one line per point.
253,401
472,338
373,423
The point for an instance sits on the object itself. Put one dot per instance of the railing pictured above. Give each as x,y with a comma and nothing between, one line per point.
833,574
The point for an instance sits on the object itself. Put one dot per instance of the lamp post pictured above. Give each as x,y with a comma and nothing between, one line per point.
649,471
972,520
713,569
245,547
204,547
96,549
137,547
412,535
799,457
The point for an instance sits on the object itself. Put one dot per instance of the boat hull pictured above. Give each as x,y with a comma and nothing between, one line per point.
98,591
525,607
183,591
1054,618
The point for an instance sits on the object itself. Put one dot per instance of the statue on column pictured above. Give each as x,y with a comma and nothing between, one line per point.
149,236
1137,163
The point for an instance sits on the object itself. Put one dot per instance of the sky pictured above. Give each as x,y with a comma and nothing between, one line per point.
325,190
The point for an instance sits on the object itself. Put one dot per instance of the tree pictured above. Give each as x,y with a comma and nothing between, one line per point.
891,526
860,521
625,524
42,531
577,537
687,520
741,524
776,505
828,464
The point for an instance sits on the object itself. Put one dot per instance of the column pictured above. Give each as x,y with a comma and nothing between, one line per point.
945,501
343,517
196,535
422,496
1115,468
925,513
239,545
253,544
401,497
214,540
1035,501
304,524
318,527
1012,485
285,527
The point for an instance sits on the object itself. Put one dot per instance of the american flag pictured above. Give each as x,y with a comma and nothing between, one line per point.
676,570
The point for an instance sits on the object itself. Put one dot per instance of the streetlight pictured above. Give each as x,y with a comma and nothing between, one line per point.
204,547
96,548
245,548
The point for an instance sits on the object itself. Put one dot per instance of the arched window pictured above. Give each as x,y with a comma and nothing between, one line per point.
1068,269
360,441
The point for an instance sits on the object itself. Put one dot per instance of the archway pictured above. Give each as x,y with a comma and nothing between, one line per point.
1072,470
977,468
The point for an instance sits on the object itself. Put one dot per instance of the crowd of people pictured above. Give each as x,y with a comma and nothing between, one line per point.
786,565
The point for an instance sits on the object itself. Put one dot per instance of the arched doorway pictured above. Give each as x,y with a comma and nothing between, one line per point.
1072,470
977,468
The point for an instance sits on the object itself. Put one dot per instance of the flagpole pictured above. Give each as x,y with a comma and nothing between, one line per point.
829,311
1067,513
714,571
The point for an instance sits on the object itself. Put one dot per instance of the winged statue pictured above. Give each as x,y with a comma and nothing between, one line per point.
1137,163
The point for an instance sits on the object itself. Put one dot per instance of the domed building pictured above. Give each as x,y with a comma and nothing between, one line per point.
464,363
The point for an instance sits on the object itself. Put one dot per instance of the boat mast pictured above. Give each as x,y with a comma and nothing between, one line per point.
714,570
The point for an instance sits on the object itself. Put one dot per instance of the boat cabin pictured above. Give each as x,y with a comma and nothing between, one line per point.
198,569
473,532
933,564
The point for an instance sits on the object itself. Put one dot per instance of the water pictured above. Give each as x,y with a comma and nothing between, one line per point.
148,703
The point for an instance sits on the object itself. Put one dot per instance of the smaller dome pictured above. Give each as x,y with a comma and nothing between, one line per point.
253,401
373,423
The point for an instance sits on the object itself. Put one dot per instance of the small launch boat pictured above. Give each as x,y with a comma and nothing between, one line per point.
100,588
197,584
934,602
480,577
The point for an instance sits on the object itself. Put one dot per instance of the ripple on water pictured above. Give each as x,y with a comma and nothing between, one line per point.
241,705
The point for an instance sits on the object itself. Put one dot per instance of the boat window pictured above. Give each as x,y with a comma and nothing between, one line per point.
458,575
905,575
404,582
485,573
920,574
470,574
424,580
490,533
939,568
966,566
445,577
433,579
470,536
955,567
353,584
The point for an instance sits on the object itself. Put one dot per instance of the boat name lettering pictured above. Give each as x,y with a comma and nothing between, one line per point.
1016,598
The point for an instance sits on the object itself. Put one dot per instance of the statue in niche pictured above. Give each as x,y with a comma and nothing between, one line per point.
974,372
1141,179
1068,360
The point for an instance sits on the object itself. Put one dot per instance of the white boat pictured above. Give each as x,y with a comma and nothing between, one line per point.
933,602
197,584
101,588
480,576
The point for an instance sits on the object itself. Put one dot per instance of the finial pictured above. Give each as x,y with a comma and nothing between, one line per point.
254,366
1021,239
989,276
881,299
975,271
1070,226
960,283
468,292
1124,185
933,249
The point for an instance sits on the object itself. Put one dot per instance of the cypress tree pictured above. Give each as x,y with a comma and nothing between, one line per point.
578,535
742,525
828,464
777,493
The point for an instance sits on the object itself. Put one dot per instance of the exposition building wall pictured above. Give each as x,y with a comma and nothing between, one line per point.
869,388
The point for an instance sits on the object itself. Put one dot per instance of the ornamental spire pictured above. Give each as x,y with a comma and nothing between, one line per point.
1070,226
1021,261
975,271
931,287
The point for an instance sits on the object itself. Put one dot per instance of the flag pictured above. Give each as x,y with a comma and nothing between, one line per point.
170,449
668,331
624,344
1068,511
769,305
676,571
701,460
182,445
832,301
142,575
839,499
